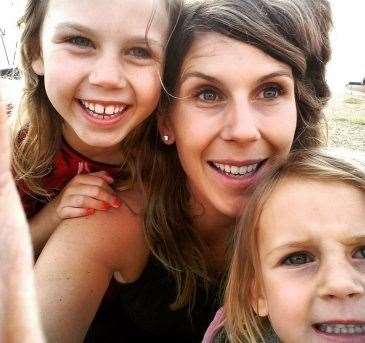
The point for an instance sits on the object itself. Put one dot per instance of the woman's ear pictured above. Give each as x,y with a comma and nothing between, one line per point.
165,129
38,66
258,300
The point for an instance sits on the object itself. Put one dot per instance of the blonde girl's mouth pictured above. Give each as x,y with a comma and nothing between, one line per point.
347,329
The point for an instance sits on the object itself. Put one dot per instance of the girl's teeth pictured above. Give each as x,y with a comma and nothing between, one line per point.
98,110
349,329
235,170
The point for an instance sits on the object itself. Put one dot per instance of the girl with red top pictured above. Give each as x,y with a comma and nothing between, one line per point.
88,83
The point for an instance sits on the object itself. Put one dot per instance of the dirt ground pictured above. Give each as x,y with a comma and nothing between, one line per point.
345,116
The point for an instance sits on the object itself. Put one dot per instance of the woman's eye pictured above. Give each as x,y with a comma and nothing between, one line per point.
360,253
208,95
298,259
139,53
271,92
80,41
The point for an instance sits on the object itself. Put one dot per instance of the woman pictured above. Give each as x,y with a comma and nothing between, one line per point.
247,79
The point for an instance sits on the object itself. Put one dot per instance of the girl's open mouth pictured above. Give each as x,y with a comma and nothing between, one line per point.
101,112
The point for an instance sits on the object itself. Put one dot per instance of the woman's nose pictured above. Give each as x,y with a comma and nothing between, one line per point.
108,72
241,123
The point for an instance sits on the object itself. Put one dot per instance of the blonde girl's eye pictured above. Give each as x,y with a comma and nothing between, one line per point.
297,259
271,92
360,253
80,41
139,52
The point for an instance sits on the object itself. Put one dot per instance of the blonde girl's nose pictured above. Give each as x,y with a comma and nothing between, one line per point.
342,281
108,72
240,123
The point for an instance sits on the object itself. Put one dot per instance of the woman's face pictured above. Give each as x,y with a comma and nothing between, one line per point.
236,112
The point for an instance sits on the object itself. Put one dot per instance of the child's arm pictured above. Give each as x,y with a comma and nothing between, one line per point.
84,194
19,319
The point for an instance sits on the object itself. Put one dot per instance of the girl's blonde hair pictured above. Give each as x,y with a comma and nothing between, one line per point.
38,131
295,32
242,324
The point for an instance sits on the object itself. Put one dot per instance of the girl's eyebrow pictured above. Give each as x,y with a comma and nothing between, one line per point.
74,26
346,241
84,29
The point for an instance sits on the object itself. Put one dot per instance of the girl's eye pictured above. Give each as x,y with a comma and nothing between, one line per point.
360,253
208,95
270,92
139,53
80,41
298,259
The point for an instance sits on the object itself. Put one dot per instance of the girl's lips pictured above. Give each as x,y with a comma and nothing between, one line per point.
101,119
340,332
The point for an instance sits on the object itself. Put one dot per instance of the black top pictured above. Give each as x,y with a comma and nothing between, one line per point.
139,311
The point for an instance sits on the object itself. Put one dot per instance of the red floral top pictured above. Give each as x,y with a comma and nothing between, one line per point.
65,167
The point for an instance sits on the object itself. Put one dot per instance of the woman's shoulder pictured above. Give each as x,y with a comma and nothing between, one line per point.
114,238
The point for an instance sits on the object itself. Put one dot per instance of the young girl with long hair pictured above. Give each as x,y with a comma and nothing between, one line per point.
299,255
244,84
90,79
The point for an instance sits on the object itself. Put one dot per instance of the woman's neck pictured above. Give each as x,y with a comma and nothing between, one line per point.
212,226
108,155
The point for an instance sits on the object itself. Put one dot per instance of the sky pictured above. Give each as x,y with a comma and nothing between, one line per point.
347,39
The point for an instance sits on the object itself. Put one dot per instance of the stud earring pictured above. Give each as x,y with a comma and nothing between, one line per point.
165,138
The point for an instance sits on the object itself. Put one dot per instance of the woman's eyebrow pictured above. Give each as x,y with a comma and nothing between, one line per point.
278,73
199,75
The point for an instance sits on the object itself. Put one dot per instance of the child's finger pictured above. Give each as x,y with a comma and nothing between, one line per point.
86,167
80,168
93,179
75,212
91,192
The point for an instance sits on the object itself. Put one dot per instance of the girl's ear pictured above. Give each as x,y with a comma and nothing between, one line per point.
38,66
165,129
258,300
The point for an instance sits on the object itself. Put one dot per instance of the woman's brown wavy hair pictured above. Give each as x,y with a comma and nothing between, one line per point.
295,32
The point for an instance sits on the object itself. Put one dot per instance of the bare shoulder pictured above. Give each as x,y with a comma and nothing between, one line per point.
113,238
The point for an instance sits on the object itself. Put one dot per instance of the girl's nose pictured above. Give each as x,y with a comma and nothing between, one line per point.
341,280
108,72
240,123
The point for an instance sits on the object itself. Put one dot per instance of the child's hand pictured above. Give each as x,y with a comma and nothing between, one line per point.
86,193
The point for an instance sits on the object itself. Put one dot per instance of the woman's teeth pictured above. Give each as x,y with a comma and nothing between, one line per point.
348,329
236,170
100,111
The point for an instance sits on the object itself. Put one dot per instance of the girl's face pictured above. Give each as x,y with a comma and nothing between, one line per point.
100,74
312,252
236,113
